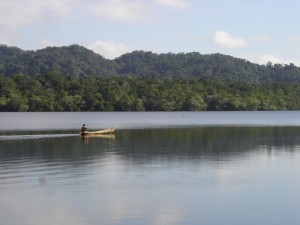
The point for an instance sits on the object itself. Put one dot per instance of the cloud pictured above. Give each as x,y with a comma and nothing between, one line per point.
179,4
271,58
15,13
294,39
6,37
122,11
227,40
17,17
261,38
44,42
110,49
275,59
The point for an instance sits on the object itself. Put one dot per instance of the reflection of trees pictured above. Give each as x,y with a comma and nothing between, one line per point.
207,141
63,149
147,143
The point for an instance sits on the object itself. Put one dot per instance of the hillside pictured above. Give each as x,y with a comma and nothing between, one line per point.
194,64
77,61
215,66
74,61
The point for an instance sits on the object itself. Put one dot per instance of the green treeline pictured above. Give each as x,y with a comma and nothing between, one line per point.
53,92
77,61
73,78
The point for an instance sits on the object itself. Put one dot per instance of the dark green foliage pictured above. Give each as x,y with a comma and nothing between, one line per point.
76,61
53,92
74,78
189,65
73,61
214,66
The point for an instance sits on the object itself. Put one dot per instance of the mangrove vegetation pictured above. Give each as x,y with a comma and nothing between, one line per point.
53,92
73,78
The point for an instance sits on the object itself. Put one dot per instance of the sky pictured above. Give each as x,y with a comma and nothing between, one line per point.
260,31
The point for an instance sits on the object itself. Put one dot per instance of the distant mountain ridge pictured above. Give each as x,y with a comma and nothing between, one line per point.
78,61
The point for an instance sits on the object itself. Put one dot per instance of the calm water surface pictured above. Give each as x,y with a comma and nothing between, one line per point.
158,168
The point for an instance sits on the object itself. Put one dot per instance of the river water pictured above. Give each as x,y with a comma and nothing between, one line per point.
157,168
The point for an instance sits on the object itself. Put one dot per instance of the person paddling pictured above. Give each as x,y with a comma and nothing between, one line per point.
84,128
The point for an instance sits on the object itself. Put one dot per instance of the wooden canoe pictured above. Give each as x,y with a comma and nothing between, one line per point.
106,131
105,136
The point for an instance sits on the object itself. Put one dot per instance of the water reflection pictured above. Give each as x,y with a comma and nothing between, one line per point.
146,143
215,142
86,138
152,176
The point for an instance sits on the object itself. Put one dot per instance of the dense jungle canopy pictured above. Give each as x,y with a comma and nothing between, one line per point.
73,78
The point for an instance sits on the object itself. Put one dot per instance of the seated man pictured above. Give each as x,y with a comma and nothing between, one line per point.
83,128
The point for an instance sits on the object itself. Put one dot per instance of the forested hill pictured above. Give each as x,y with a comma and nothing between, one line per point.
74,61
77,61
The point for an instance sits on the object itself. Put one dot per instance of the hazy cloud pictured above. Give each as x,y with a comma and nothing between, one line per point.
6,37
179,4
294,39
265,58
227,40
261,38
271,58
110,49
44,42
15,13
122,11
